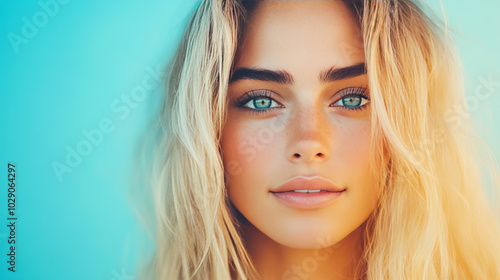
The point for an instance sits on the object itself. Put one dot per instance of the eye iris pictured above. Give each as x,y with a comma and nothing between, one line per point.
262,103
352,101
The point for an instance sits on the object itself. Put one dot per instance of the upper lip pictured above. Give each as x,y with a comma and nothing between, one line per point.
307,183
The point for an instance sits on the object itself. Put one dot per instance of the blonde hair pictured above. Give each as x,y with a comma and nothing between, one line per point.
433,221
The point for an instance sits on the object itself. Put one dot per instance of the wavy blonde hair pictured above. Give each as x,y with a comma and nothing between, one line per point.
434,220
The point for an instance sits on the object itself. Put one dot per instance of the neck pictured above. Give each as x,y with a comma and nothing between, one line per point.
275,261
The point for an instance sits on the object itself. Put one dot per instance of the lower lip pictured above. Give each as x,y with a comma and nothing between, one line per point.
307,200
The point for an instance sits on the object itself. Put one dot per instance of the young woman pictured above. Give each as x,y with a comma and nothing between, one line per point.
314,140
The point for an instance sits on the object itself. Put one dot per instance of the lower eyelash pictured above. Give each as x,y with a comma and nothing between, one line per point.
357,91
241,105
256,111
356,108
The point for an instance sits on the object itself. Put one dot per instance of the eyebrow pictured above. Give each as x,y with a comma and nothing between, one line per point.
283,77
335,74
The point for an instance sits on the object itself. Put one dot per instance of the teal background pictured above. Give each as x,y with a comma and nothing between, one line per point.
75,72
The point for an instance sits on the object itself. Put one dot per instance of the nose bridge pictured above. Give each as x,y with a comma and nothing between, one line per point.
308,135
309,121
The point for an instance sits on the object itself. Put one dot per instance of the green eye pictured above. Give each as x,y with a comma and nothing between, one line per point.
261,103
353,98
351,102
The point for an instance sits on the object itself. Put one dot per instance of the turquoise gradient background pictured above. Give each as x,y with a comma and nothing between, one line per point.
76,72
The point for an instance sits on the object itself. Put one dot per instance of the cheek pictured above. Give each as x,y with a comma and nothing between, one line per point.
351,147
248,153
351,151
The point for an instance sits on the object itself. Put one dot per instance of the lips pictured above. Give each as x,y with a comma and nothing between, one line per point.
307,193
303,184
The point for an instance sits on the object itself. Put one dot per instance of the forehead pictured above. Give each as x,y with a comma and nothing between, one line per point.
307,35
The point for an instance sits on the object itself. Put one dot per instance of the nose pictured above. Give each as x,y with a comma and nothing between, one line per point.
309,137
307,155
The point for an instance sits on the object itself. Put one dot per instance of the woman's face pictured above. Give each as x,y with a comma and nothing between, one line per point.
299,113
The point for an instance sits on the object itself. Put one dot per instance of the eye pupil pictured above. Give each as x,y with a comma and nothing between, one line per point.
262,103
352,101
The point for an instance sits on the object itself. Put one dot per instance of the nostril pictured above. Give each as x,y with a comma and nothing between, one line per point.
296,155
320,154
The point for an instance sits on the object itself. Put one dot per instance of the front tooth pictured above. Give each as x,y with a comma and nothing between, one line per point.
314,190
301,191
307,191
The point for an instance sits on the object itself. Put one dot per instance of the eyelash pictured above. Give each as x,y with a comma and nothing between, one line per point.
356,92
255,94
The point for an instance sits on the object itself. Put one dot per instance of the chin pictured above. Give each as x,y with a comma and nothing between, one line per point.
311,237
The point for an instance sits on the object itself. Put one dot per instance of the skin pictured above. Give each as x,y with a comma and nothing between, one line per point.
307,131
